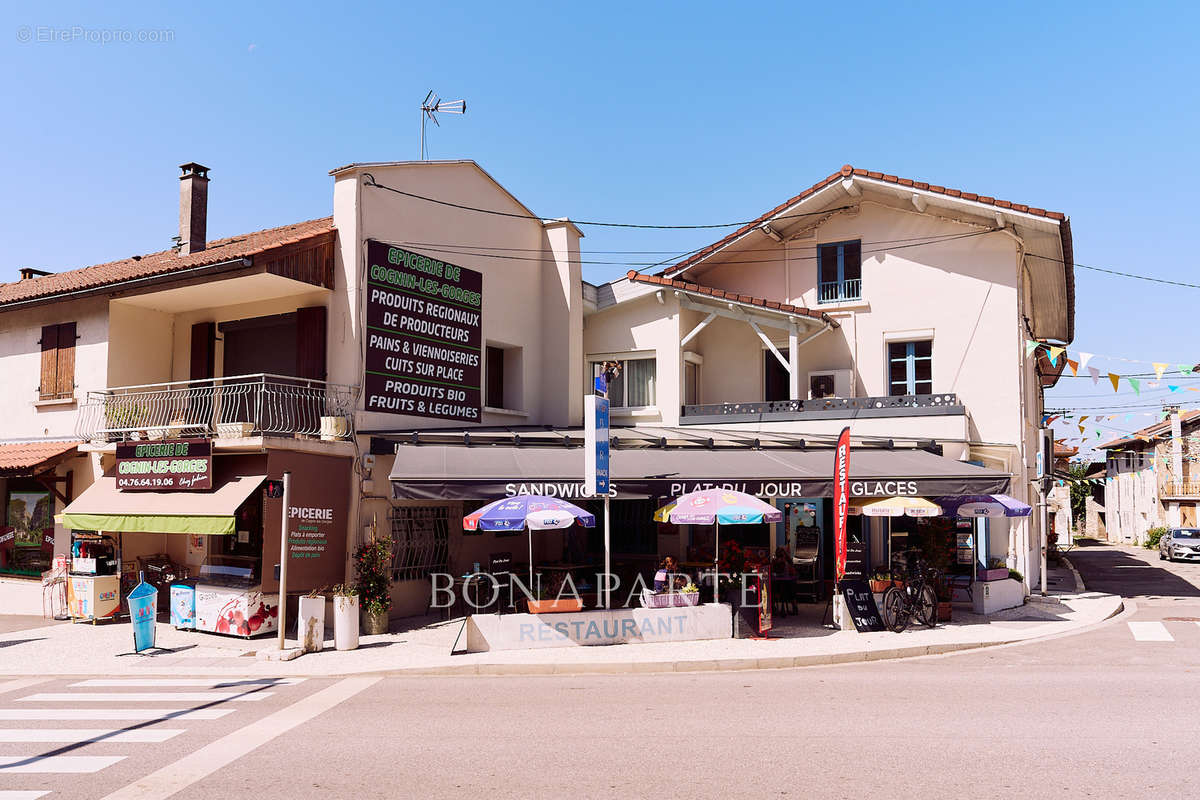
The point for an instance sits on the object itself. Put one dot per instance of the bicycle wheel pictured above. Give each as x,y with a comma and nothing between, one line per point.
895,615
926,610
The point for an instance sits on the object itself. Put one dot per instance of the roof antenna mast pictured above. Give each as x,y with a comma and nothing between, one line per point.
431,106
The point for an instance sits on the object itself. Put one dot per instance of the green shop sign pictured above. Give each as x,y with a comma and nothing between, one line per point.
171,465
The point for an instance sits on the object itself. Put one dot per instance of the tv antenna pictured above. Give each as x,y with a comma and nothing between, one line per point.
431,106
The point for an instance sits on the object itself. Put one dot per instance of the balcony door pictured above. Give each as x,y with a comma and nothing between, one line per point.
775,378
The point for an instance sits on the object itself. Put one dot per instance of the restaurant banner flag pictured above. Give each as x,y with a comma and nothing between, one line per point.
841,500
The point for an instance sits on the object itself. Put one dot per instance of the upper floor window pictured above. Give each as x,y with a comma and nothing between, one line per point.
910,367
839,272
58,362
635,386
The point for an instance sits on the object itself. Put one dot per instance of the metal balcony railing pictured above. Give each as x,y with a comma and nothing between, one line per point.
839,291
237,406
847,405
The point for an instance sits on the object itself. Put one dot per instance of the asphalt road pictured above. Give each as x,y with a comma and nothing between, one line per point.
1103,713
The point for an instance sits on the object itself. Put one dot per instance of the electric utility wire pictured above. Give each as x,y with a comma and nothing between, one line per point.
647,265
370,181
671,254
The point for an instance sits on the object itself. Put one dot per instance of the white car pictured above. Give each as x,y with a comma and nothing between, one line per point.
1180,544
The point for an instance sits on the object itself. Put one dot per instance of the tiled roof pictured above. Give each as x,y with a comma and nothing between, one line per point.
1151,432
162,263
734,297
18,457
848,171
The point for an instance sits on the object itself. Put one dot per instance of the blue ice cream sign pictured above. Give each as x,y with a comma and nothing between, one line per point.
143,608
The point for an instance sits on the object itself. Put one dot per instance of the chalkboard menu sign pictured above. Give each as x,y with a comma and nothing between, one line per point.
860,604
424,336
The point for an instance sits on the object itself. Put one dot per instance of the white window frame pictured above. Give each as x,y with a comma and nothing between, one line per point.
637,355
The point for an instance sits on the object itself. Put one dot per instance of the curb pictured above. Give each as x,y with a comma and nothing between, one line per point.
1079,585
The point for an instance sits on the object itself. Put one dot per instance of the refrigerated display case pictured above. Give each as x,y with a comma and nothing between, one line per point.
230,600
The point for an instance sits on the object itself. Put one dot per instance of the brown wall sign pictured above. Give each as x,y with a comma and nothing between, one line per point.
181,465
317,523
424,336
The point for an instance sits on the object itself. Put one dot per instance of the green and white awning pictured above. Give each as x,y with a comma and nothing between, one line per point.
212,513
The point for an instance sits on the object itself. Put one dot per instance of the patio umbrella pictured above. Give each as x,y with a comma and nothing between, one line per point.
531,512
719,507
984,505
896,507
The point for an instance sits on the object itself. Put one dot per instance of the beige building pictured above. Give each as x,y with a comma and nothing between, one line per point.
433,340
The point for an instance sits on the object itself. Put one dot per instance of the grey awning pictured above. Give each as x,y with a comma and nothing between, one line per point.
452,472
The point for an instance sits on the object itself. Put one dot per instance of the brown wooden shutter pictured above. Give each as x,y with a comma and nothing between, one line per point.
311,325
66,360
49,383
204,336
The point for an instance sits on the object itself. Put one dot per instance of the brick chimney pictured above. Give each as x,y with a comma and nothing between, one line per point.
193,208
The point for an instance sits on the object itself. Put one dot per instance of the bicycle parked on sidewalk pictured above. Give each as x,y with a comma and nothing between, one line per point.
916,598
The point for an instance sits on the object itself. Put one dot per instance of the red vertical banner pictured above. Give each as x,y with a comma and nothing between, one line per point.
841,501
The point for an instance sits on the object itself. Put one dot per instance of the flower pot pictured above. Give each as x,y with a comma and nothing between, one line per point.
669,599
234,430
555,606
878,587
992,574
334,428
310,624
345,621
375,622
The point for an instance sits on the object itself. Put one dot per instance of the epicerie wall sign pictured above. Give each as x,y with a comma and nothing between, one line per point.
424,335
164,466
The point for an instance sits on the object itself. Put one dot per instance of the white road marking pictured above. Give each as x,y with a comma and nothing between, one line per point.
145,697
59,764
213,683
1150,632
175,777
78,735
61,714
20,683
17,794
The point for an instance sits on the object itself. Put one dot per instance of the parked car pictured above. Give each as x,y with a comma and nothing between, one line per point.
1180,544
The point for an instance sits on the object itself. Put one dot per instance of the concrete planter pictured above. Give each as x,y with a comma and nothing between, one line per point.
310,624
375,622
345,621
992,574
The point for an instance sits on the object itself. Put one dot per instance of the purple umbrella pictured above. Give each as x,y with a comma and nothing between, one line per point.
531,512
984,505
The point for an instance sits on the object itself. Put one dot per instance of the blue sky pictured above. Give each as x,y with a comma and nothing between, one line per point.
644,112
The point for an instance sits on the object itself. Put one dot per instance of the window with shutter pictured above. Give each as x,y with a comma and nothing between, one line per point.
58,362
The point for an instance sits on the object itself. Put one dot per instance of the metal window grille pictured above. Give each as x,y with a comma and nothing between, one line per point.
420,541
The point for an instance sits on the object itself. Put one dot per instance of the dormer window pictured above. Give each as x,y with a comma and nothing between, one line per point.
839,272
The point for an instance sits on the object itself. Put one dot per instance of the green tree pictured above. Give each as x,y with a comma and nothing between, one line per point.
1081,490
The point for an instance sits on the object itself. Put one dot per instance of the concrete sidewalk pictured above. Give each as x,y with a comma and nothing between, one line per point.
423,647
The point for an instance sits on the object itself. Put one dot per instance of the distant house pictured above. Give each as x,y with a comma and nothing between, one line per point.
1152,478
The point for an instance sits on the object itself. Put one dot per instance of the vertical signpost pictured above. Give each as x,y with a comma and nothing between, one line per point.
595,462
283,558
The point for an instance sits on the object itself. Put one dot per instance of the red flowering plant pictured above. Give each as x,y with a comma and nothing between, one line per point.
373,566
732,563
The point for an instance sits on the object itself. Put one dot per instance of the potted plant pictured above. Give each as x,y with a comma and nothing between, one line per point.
345,617
880,581
310,622
373,565
996,571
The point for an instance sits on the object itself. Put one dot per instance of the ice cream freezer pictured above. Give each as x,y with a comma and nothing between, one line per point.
224,598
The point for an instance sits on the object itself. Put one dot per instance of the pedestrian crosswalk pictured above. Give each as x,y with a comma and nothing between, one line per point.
72,730
1155,631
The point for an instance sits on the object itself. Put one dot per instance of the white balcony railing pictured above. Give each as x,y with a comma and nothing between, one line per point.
240,405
